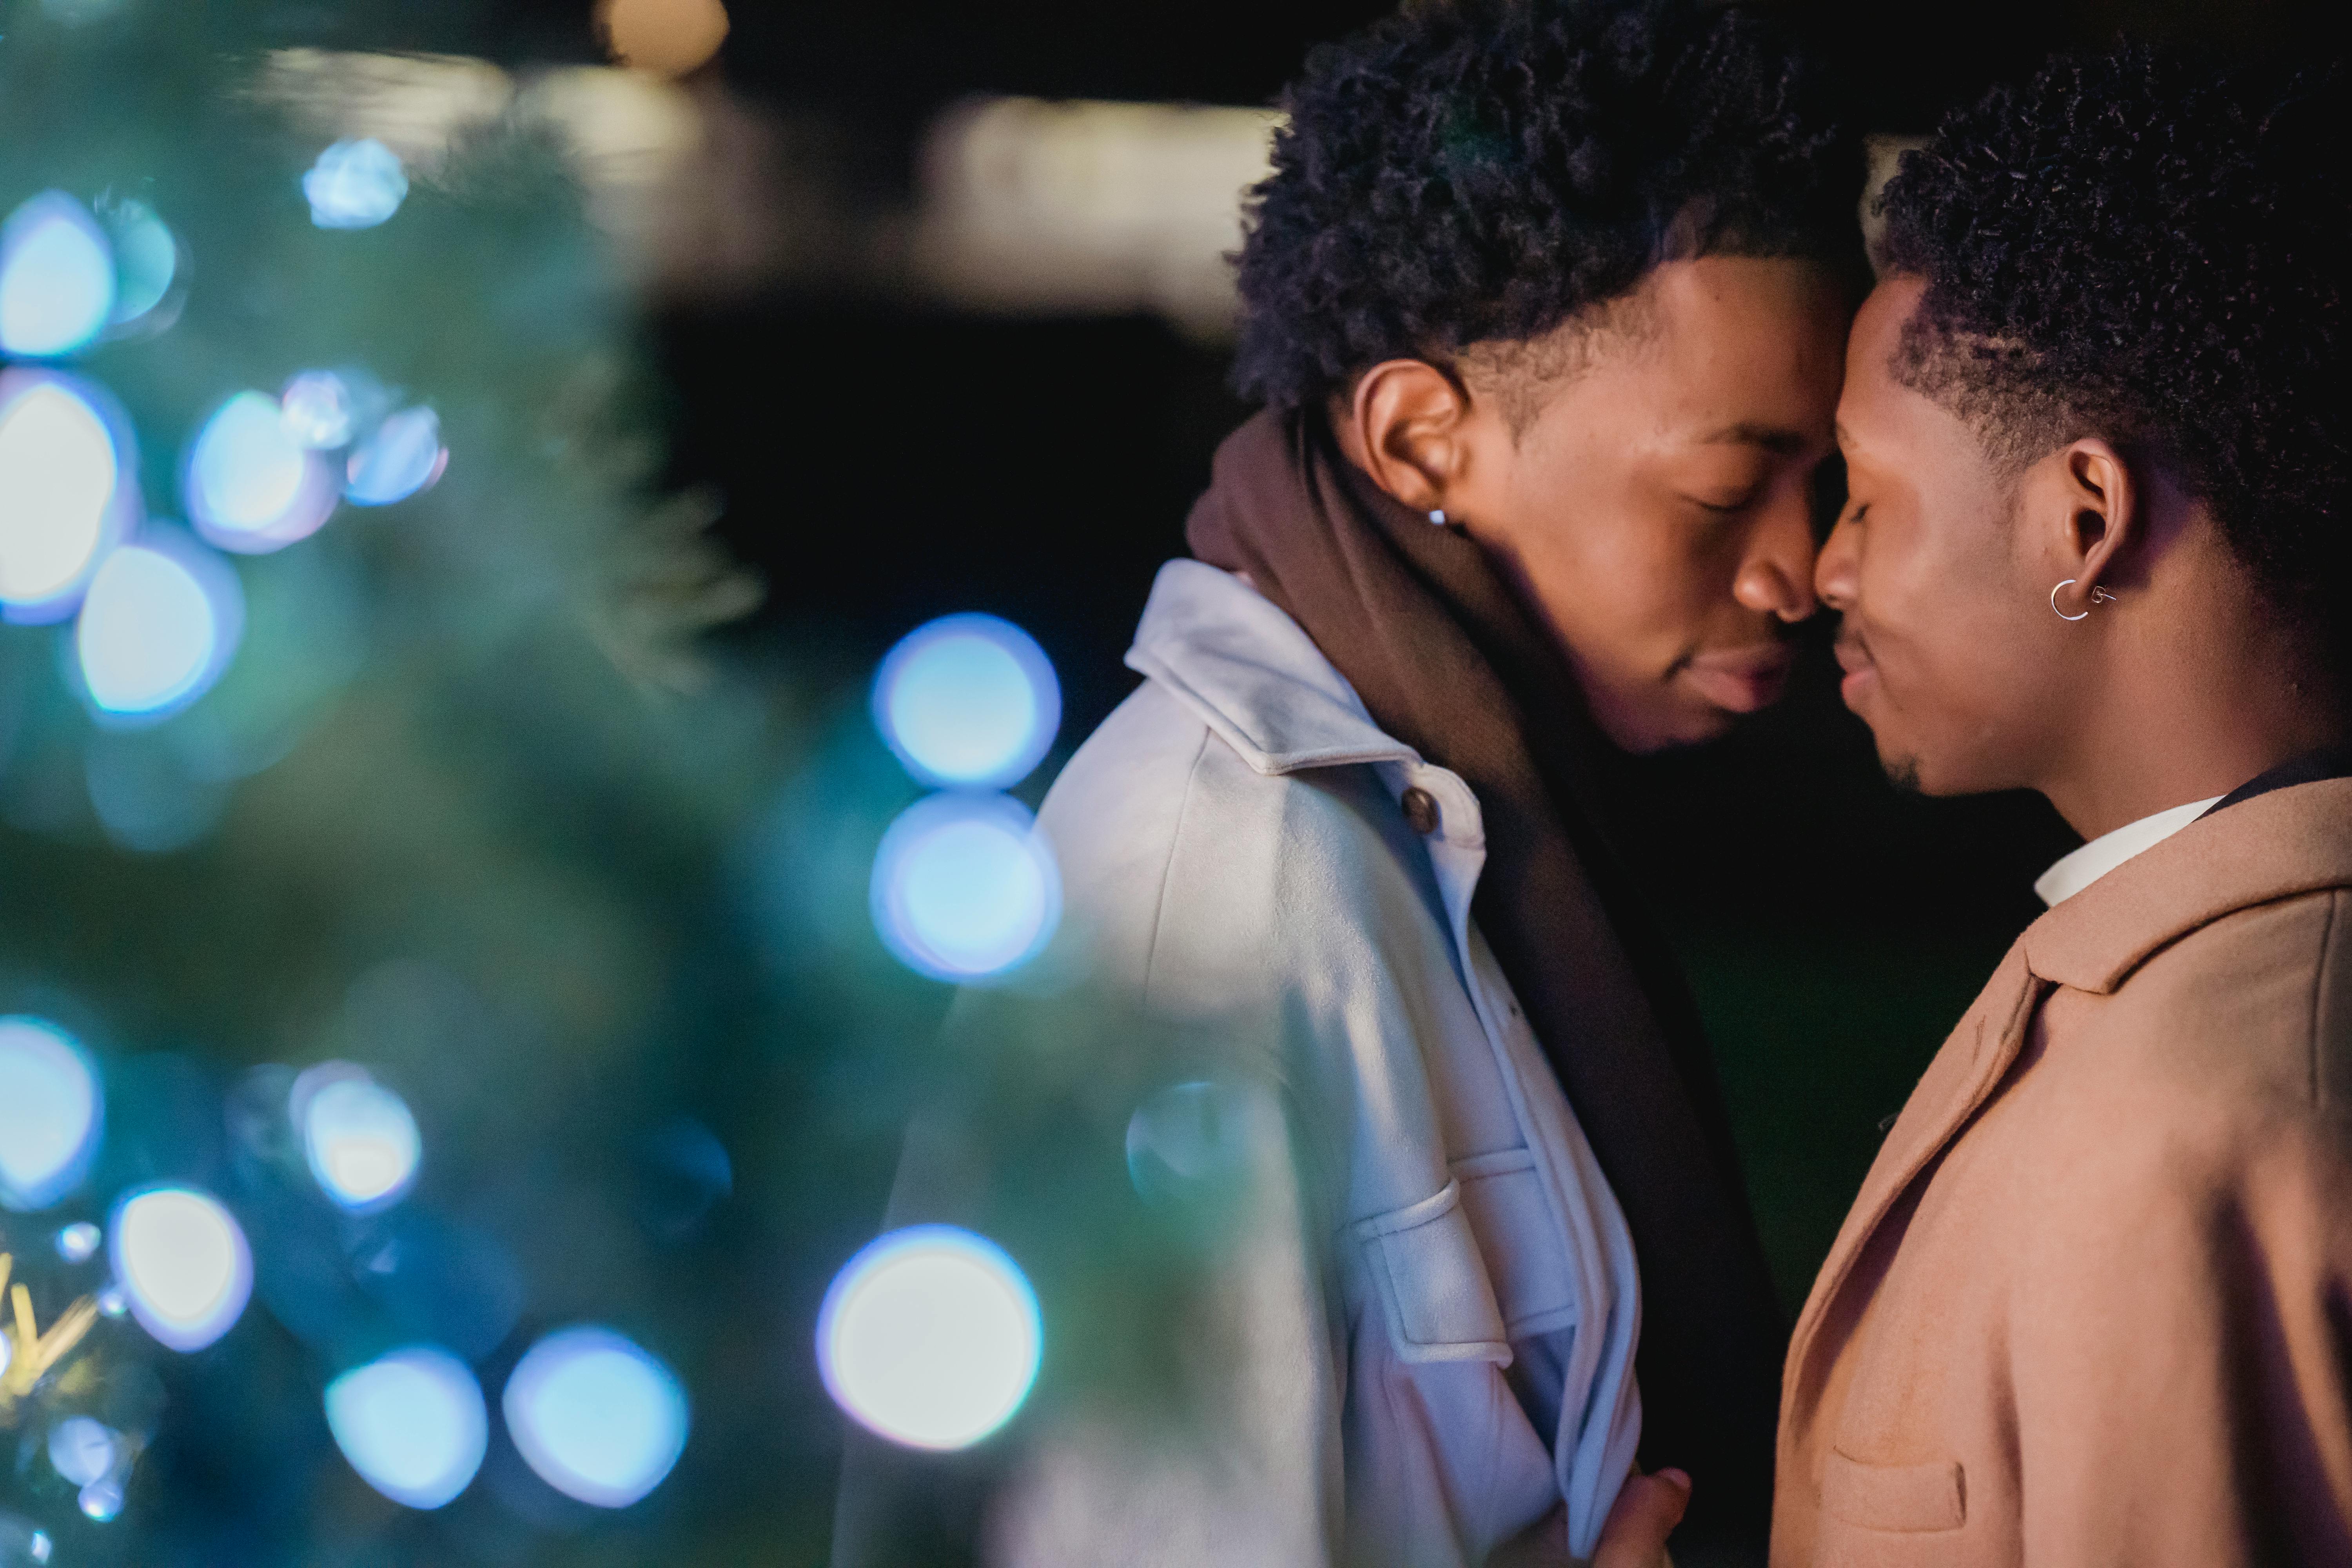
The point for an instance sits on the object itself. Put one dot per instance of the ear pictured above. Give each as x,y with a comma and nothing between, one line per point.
1407,427
2098,519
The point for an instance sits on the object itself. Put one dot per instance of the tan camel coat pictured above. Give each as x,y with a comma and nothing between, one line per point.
2094,1305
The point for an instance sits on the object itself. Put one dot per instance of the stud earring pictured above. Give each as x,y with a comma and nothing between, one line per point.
1438,517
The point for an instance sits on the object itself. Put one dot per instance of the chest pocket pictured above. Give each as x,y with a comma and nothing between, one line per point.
1424,1263
1896,1499
1481,1263
1527,1256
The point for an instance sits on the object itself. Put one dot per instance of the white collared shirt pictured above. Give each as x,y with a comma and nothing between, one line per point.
2074,872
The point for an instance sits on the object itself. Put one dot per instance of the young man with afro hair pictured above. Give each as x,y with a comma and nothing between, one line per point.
2094,1305
1545,301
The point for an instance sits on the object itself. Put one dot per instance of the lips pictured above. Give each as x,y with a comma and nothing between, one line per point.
1860,669
1741,680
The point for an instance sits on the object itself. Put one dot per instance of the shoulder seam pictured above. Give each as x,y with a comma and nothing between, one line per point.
1168,866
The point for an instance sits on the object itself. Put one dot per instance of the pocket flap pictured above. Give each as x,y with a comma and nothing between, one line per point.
1433,1282
1527,1256
1907,1499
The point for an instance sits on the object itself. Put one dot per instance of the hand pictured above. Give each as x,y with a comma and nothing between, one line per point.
1647,1510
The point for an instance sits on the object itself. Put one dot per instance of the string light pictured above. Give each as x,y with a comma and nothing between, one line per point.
181,1263
930,1337
964,887
57,277
968,701
595,1416
413,1424
50,1112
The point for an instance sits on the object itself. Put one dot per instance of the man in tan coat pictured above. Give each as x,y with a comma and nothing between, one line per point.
2094,1305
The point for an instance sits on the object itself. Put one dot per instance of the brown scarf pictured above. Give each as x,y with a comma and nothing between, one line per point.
1448,661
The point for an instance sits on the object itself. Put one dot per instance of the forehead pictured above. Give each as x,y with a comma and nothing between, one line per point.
1743,341
1873,403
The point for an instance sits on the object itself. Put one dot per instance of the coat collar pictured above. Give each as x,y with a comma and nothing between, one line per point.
2274,845
1252,675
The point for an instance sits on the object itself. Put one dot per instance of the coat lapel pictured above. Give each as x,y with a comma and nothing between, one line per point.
1954,1087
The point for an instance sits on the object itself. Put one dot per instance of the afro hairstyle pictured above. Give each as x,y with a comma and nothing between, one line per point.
1474,171
2141,246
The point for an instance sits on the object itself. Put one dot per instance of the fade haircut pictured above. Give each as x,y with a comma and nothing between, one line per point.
2138,246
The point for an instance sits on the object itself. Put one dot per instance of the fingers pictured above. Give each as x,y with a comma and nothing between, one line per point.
1647,1510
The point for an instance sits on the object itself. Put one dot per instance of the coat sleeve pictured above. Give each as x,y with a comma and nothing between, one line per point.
2179,1372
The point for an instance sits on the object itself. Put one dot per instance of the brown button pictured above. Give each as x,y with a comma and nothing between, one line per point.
1420,809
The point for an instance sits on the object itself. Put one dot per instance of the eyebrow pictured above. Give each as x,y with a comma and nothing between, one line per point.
1772,438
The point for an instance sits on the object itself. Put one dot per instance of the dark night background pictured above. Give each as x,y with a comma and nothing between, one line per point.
884,462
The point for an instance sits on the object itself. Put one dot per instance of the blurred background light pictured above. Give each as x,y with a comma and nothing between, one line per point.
81,1449
101,1501
413,1424
160,621
22,1544
402,456
316,406
930,1337
78,1242
63,501
356,183
56,276
968,701
598,1418
1186,1137
359,1139
964,887
252,485
181,1263
51,1109
663,37
146,259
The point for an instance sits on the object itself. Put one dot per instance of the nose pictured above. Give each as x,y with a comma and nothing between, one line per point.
1837,576
1777,576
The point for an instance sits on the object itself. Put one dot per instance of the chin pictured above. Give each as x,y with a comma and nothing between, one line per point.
1673,731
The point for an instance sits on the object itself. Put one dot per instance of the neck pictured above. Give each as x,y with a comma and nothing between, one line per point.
2187,718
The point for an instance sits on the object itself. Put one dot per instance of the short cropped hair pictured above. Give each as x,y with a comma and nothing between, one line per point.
2150,250
1471,172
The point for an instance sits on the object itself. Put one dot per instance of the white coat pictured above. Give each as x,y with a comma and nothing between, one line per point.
1447,1353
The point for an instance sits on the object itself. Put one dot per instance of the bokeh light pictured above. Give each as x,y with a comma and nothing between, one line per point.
81,1449
968,700
402,456
964,887
252,486
316,406
101,1500
595,1416
79,1242
413,1424
930,1337
359,1137
181,1263
1187,1138
22,1541
51,1109
160,621
63,501
57,277
146,259
356,183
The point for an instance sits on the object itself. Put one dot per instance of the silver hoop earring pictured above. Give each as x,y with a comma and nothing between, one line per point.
1438,517
2098,597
